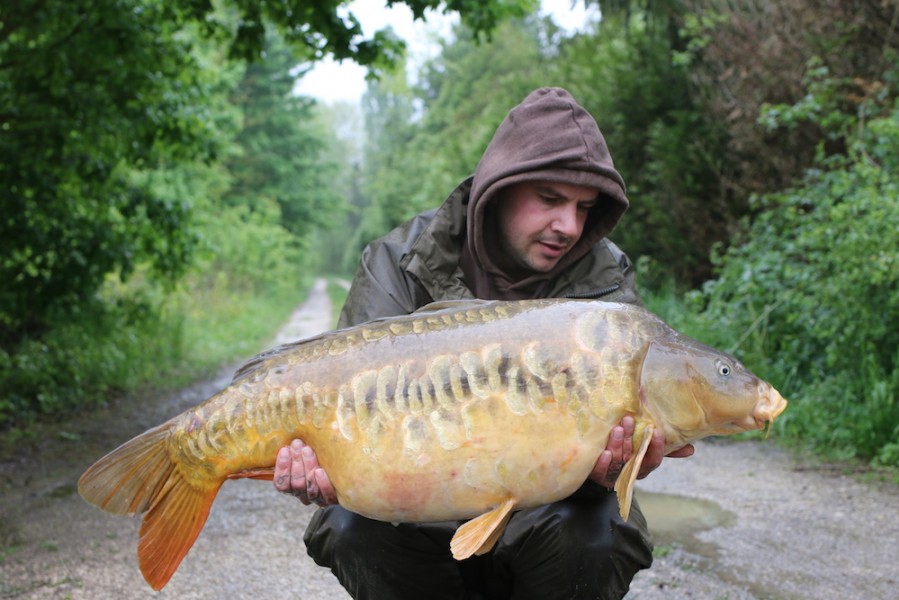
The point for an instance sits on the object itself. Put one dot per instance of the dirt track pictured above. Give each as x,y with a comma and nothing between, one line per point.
746,522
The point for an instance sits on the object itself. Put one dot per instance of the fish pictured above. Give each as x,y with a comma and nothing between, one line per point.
464,410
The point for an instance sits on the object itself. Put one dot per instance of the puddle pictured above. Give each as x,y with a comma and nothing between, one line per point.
675,520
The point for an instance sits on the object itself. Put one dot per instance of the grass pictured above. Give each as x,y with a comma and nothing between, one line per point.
224,328
662,551
134,339
337,293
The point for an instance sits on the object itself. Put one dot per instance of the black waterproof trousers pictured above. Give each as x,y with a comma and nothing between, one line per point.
577,548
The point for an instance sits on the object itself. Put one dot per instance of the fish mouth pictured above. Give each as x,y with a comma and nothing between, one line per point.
768,408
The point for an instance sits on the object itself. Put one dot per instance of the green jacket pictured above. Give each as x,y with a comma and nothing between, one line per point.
419,262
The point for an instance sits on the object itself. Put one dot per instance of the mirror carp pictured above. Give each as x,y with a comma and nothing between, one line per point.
463,410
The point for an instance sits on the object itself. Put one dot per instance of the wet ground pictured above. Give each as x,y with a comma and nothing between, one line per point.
744,520
740,520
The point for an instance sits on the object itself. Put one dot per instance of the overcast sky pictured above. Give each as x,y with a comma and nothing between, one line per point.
330,81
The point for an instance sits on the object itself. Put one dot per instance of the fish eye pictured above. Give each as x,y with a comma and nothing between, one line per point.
723,369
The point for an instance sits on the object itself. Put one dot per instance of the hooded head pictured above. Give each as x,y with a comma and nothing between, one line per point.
549,137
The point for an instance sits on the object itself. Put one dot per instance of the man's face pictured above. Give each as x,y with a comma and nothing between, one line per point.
539,222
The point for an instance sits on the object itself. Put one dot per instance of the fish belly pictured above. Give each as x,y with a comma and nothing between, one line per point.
443,465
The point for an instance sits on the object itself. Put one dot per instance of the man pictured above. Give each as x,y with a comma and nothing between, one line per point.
531,223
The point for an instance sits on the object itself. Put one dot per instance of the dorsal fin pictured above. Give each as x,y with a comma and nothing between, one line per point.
452,304
255,362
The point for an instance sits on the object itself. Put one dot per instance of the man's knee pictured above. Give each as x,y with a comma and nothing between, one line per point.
587,543
335,531
610,550
375,560
598,527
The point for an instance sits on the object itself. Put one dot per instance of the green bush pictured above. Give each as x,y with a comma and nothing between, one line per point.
81,360
811,293
247,276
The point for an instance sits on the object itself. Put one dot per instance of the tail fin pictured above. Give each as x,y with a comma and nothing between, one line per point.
140,477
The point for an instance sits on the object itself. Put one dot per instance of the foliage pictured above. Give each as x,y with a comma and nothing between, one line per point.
683,86
388,114
244,279
278,158
247,276
89,91
669,152
326,27
151,181
812,292
345,153
745,55
105,208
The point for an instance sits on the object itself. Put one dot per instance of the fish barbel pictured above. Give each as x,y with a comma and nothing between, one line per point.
464,410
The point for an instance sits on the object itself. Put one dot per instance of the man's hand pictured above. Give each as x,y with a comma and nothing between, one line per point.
620,449
298,473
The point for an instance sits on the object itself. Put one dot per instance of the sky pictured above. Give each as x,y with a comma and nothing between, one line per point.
330,81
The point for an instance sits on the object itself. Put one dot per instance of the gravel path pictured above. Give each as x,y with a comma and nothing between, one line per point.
740,520
790,531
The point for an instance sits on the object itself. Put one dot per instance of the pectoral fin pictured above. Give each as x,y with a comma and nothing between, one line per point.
481,533
624,486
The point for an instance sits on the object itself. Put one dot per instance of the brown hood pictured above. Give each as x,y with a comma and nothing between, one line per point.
548,137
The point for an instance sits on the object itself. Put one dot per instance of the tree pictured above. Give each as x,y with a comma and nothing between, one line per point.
746,55
92,91
89,90
281,147
669,153
467,90
325,27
